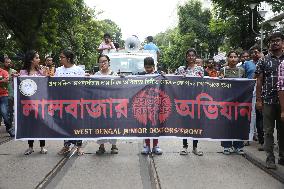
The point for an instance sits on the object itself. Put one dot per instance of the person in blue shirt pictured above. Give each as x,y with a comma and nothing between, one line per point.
152,47
250,67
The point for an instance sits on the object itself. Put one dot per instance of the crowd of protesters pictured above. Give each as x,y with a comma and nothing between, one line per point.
268,70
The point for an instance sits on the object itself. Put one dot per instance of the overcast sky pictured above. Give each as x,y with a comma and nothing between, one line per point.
139,17
143,17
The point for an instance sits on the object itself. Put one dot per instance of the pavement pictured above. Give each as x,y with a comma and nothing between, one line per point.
259,157
129,169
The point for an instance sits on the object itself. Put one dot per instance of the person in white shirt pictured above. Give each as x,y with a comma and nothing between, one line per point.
104,63
69,69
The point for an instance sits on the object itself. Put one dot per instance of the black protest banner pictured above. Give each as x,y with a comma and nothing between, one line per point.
134,106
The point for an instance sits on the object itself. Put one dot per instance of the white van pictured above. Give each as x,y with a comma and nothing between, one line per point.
129,63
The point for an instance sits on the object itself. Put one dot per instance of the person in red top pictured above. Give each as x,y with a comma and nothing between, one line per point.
4,80
211,70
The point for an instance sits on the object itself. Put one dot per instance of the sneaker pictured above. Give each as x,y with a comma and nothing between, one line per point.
43,150
239,151
183,151
270,164
146,150
64,150
196,152
29,151
226,151
157,150
281,161
101,150
114,150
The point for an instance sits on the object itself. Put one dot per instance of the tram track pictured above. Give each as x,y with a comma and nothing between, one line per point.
56,169
4,140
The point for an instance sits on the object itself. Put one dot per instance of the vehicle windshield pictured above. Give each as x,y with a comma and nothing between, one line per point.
127,64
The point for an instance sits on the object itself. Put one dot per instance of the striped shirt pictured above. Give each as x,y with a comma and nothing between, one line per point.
268,66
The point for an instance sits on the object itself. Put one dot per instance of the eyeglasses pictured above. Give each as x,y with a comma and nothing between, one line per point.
103,62
275,40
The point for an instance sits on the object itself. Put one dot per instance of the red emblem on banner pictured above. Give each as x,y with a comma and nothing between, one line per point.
151,105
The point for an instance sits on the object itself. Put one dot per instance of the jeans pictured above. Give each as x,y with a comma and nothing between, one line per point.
5,113
259,126
11,109
271,113
235,144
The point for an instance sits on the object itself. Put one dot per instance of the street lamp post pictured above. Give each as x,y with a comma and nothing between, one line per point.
261,11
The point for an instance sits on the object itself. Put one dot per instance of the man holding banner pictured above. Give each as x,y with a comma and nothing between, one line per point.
4,81
267,97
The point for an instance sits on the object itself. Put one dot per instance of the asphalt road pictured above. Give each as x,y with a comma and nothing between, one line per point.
128,169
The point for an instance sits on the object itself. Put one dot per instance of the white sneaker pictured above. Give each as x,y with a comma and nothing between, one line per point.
29,151
196,152
146,150
157,150
43,150
239,151
183,151
227,151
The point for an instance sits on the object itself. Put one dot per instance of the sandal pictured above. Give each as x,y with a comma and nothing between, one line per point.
64,150
80,152
101,150
29,151
196,152
183,151
43,150
114,150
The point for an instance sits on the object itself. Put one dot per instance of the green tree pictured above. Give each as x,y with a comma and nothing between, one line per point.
51,25
79,31
8,44
194,19
193,30
25,19
236,17
113,29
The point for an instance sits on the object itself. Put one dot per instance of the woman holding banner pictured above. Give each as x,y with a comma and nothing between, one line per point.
104,63
232,71
191,69
69,69
32,68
